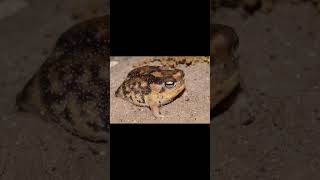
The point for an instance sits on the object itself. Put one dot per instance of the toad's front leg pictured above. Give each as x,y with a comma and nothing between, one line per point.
155,108
156,111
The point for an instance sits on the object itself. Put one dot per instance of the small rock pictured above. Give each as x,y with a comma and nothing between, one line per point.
113,63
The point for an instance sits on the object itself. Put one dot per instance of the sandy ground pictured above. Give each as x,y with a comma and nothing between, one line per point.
272,129
30,148
192,107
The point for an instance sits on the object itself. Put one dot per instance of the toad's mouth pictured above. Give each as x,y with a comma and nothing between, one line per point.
180,89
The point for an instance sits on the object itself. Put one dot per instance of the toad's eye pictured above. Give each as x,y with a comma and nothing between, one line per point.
169,84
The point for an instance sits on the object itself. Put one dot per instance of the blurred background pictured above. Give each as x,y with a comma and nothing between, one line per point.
29,147
272,129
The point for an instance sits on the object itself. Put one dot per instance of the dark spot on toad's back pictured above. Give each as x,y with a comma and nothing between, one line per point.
95,126
87,96
68,116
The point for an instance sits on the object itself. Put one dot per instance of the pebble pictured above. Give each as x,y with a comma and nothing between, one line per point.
113,63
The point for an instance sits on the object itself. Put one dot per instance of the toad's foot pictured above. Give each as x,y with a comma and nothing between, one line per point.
156,111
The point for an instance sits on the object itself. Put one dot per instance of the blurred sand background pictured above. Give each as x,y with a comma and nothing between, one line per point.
272,130
31,149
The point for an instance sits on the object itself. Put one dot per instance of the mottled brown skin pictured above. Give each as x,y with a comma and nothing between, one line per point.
224,75
87,35
71,87
152,86
249,5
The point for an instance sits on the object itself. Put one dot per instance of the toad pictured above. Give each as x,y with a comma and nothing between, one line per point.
152,86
